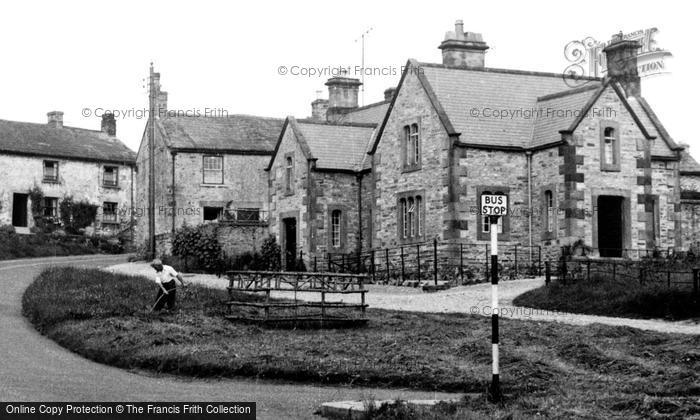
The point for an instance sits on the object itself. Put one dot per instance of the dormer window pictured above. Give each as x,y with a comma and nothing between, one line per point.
609,146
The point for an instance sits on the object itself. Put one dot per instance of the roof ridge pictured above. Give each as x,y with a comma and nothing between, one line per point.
510,71
67,127
363,107
337,124
568,92
223,117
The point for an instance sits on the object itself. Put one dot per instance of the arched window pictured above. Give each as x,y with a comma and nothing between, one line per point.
404,218
410,148
609,146
415,145
335,228
411,217
419,215
549,212
289,174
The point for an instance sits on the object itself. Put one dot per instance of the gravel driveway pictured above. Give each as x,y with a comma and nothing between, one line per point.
474,299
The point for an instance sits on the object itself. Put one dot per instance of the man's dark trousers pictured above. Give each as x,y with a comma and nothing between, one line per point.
169,299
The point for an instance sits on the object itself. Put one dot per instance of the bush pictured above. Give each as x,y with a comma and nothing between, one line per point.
41,244
200,242
76,215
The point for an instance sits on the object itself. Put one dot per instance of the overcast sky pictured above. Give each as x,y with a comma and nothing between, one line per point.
72,56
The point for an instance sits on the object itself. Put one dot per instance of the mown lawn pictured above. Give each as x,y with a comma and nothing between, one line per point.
548,369
608,298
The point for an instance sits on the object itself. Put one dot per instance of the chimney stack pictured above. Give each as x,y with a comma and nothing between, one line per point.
342,96
319,108
463,49
109,124
161,97
389,93
621,62
55,119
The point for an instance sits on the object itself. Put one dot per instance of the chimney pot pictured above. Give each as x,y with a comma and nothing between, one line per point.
109,124
55,119
389,93
459,28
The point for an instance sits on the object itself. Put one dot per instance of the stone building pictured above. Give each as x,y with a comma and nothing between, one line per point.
582,159
65,161
206,169
589,162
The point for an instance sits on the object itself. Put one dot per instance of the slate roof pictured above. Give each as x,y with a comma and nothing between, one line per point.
372,114
460,90
233,133
67,142
337,146
558,112
688,164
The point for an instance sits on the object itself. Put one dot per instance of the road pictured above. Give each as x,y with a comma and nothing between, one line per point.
34,368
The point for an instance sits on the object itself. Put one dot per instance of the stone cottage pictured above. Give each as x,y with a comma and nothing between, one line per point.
65,161
206,169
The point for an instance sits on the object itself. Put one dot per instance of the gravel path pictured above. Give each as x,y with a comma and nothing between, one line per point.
475,299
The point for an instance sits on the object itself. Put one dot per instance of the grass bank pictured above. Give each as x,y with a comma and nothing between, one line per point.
608,298
550,369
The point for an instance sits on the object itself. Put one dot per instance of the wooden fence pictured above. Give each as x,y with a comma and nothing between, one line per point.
315,311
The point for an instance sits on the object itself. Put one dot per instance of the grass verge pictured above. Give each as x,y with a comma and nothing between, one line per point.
601,297
548,369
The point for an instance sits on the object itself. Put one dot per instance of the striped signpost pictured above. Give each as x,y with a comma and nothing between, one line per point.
494,206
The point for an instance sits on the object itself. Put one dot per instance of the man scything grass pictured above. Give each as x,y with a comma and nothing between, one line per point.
165,277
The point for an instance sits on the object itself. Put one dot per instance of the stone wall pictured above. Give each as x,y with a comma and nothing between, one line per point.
585,180
244,186
411,106
295,203
163,176
334,191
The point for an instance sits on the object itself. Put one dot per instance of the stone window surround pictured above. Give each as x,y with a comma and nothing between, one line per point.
626,214
486,236
546,234
343,227
406,123
615,166
420,224
204,157
288,177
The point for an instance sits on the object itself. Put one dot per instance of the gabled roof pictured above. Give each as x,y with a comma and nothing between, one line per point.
34,139
368,114
232,133
467,101
470,96
558,112
334,146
